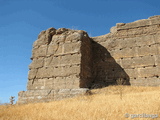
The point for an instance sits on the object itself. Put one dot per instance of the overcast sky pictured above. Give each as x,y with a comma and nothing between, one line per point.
22,20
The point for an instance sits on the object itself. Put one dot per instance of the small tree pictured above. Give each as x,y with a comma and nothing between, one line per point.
12,100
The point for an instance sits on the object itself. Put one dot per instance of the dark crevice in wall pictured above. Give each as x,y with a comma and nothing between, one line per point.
105,70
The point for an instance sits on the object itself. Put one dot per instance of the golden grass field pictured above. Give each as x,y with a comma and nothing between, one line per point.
110,103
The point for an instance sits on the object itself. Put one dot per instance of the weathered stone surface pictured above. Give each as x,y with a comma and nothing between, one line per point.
75,36
52,49
39,52
154,81
65,62
32,74
44,37
37,63
157,60
61,30
138,62
144,40
34,96
149,72
72,47
113,29
56,39
45,72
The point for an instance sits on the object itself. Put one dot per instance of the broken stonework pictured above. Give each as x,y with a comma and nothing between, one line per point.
67,62
60,60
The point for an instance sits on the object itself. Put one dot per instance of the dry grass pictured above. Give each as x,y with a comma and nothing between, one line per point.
104,104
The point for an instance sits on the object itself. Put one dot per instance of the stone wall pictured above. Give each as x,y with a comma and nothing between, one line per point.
66,62
131,52
57,66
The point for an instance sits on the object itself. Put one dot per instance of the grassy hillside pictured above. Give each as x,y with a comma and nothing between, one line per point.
111,103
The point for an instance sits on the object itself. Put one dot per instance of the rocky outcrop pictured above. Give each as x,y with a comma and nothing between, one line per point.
67,62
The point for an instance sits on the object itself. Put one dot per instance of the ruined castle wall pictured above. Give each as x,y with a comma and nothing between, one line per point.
131,51
55,63
67,62
55,71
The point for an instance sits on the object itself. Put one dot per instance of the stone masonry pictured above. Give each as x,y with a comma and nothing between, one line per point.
68,62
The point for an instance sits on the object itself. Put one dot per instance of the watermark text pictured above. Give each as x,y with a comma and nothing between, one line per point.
144,115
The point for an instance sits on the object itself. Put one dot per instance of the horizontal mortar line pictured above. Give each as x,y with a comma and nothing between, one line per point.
73,74
138,35
70,41
134,35
56,76
62,65
143,78
133,46
52,89
115,50
149,77
137,78
135,57
54,55
155,33
135,27
128,28
119,58
148,66
130,36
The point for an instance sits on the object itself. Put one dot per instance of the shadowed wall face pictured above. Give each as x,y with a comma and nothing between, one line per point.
86,76
106,71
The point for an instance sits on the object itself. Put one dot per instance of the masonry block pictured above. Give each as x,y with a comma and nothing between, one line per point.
148,72
130,72
128,63
128,43
66,60
45,72
157,38
143,50
157,60
138,62
55,60
32,74
37,63
72,47
75,36
144,61
59,50
47,61
39,52
154,49
52,48
60,38
59,83
145,40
